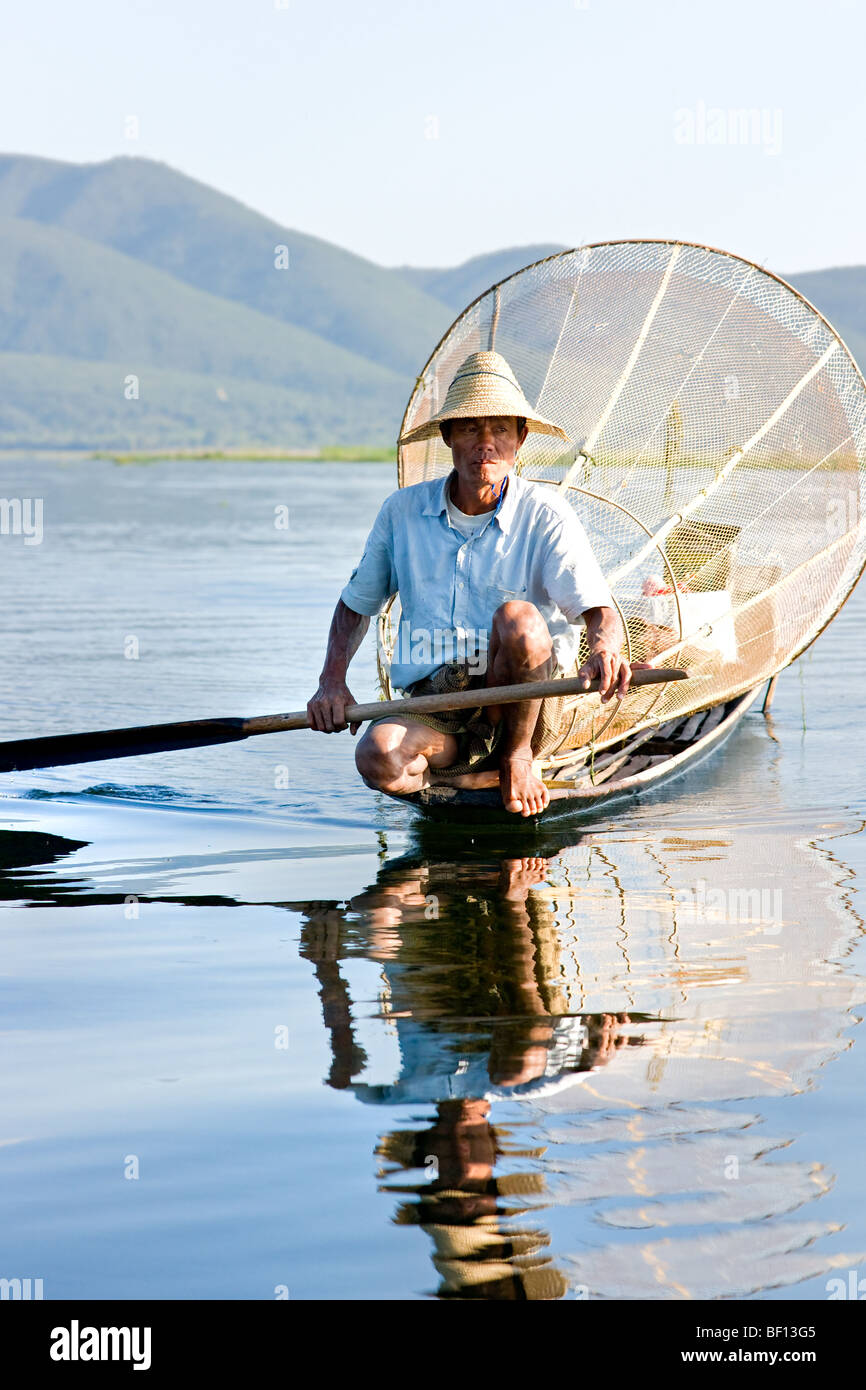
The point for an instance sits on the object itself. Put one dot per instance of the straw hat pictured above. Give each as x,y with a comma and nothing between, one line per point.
484,385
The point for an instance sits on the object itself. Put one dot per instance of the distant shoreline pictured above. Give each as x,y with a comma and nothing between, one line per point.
345,453
339,453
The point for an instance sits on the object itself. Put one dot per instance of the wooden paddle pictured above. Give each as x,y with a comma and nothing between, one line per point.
59,749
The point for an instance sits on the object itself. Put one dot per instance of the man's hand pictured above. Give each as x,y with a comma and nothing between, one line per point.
327,709
605,663
612,670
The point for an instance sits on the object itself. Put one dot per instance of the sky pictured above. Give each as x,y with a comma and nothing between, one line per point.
423,133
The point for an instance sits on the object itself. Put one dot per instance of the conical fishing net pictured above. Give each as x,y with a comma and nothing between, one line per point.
717,455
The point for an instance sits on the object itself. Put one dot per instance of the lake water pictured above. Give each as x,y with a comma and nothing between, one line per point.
265,1033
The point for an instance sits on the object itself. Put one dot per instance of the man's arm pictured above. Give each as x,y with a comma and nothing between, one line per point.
370,584
605,662
328,705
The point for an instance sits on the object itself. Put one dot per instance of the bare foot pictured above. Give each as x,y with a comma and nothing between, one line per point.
529,774
522,788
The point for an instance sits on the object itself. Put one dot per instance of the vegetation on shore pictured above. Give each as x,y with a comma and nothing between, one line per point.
338,453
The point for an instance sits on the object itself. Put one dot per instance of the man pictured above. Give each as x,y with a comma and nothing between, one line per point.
491,565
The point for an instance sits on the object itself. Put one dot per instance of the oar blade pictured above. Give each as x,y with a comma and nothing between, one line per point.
60,750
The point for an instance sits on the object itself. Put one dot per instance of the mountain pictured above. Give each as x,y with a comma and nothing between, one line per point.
71,403
129,269
459,285
74,300
63,295
212,242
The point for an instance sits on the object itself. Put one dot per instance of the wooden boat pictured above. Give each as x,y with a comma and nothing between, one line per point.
718,466
632,765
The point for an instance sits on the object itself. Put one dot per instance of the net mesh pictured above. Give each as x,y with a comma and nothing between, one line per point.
717,429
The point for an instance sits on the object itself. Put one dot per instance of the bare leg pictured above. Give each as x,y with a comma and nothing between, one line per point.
520,650
396,755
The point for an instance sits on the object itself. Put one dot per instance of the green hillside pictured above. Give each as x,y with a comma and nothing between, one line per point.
61,402
66,296
212,242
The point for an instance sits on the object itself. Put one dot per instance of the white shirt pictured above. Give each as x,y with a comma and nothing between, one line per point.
532,547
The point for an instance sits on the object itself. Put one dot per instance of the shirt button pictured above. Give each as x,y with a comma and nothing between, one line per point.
461,585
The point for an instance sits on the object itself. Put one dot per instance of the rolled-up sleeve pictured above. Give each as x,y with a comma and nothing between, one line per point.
373,581
572,576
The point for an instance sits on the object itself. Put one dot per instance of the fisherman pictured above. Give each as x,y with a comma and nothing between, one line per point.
493,572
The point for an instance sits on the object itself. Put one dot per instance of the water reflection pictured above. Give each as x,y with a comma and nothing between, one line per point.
578,1050
468,1212
472,986
631,994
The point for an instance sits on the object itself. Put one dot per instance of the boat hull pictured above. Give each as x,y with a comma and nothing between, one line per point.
639,765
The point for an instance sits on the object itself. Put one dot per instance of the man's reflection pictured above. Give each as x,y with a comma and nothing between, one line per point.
472,983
